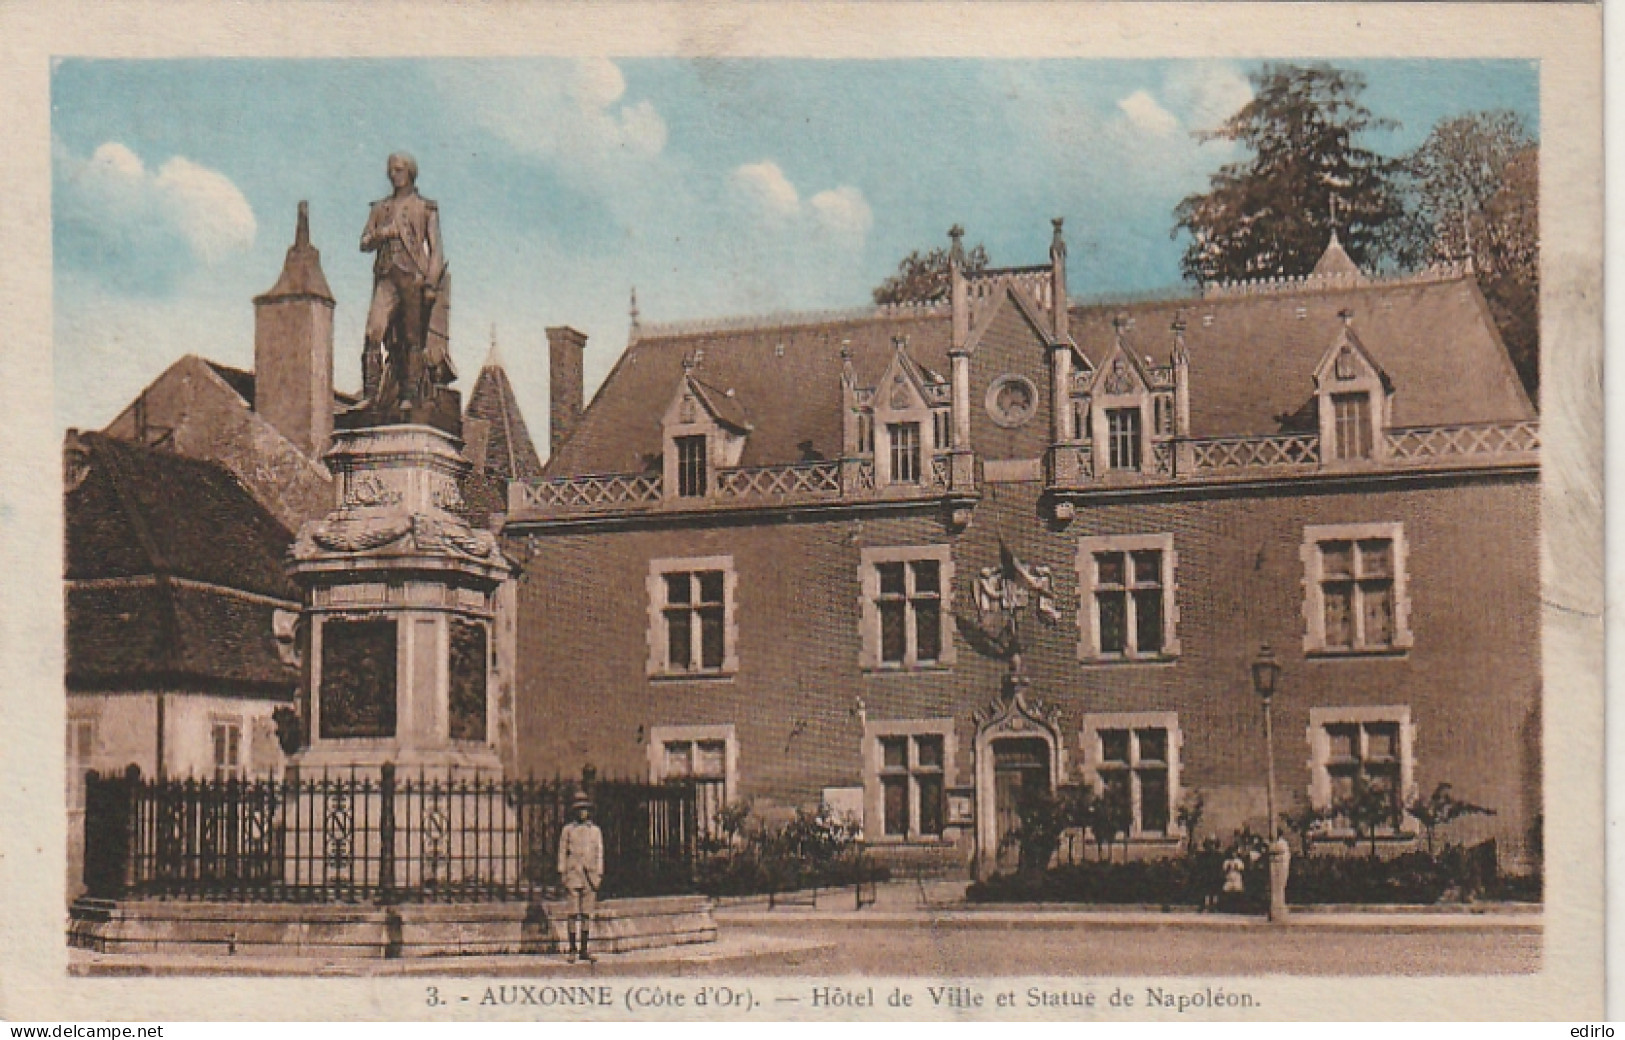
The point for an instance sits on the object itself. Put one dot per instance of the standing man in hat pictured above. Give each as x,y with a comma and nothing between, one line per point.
581,870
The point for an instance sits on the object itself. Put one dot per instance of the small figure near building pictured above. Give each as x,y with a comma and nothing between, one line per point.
581,871
1234,894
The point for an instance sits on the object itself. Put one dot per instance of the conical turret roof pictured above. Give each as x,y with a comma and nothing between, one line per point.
302,269
509,452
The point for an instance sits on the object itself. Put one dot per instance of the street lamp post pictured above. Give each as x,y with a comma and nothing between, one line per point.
1266,674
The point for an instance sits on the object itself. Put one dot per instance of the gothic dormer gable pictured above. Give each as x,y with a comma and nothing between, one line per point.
906,387
1017,295
1349,364
1121,375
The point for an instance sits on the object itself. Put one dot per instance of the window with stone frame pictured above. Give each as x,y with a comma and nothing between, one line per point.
1123,438
1351,423
1132,758
1355,589
907,767
1360,747
905,452
226,736
942,429
1127,603
906,617
704,755
692,626
692,466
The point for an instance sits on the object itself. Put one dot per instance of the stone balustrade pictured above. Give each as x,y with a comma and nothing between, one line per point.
803,483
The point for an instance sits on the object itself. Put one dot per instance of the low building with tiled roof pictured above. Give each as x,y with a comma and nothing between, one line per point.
773,553
179,618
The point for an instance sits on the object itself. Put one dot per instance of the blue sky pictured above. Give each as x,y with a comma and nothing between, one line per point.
715,187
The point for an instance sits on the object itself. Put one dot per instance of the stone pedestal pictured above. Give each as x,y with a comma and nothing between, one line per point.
1280,861
399,611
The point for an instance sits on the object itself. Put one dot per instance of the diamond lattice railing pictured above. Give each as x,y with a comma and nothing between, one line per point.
1229,453
1432,442
813,478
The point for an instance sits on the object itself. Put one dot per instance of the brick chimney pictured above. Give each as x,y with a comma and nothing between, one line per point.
293,347
566,379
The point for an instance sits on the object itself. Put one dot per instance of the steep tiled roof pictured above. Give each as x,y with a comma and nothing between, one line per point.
509,451
243,383
173,573
790,375
1253,355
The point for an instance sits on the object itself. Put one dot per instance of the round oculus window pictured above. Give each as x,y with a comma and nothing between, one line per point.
1012,400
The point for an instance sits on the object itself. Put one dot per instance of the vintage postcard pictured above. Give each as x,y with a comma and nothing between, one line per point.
756,512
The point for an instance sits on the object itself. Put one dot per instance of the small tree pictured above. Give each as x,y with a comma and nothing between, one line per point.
1370,809
1189,816
1307,822
923,277
1042,819
1440,808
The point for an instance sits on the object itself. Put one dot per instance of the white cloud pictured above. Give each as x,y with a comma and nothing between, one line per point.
114,195
843,211
578,123
1207,93
767,188
1144,112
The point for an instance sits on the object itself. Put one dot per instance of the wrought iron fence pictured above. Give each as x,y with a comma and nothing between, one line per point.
376,838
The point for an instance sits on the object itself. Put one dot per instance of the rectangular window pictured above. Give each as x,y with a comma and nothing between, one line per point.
691,467
942,429
905,452
1352,424
905,618
695,615
911,772
866,434
1360,748
1133,758
703,756
1129,602
227,736
1123,437
1357,593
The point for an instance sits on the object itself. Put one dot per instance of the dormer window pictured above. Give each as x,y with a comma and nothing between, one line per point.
1123,437
905,452
705,430
1351,419
691,466
1354,398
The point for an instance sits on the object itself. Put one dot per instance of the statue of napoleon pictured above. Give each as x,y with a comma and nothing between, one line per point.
407,357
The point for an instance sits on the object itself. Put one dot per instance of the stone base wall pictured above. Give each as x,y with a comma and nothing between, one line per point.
433,930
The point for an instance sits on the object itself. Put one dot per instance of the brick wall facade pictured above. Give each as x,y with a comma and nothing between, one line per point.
1471,680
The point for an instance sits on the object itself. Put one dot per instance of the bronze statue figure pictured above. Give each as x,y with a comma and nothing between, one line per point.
406,357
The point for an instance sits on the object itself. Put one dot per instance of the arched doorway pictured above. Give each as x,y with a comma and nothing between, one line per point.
1019,756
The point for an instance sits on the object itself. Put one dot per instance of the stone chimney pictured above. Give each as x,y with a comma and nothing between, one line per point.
293,347
567,390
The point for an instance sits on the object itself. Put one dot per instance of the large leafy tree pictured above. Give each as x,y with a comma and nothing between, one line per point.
923,277
1305,175
1472,191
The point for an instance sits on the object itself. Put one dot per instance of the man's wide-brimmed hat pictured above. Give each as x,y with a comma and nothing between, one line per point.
581,801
